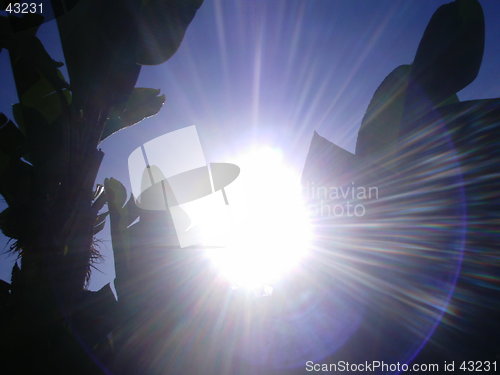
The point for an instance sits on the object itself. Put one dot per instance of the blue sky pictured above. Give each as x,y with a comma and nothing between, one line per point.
271,72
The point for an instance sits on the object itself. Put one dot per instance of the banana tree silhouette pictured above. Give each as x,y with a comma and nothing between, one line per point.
421,146
49,158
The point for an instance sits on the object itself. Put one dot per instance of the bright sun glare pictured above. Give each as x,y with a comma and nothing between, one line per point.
269,228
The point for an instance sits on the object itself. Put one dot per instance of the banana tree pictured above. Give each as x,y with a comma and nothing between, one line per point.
415,131
49,150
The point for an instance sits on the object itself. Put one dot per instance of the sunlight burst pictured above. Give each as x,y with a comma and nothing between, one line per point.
269,227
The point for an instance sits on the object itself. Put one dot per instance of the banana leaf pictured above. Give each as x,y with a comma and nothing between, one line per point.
142,103
450,52
379,130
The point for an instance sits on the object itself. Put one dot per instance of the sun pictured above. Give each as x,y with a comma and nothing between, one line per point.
269,231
